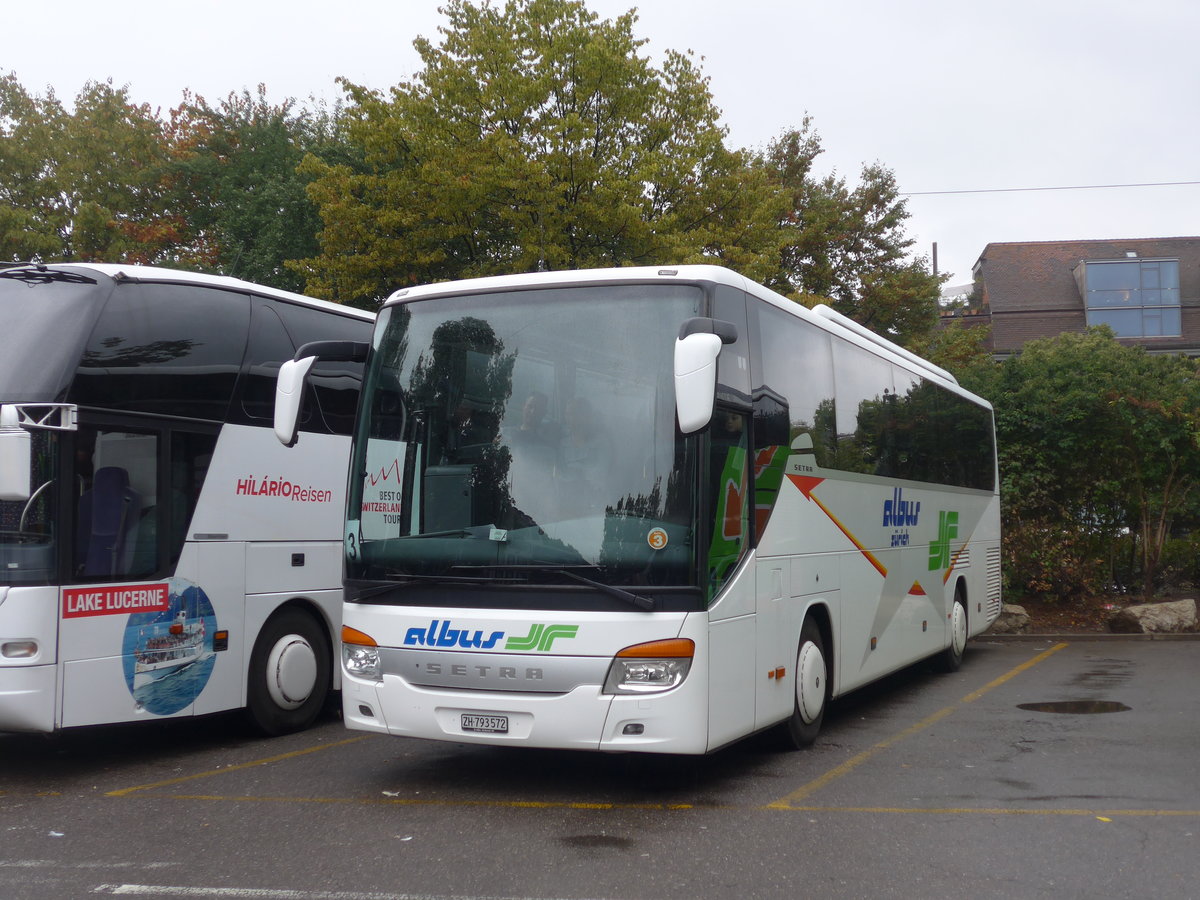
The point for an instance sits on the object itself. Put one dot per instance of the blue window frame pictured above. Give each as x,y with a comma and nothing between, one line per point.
1134,297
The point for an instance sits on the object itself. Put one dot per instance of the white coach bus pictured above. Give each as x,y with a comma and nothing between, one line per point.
160,553
650,510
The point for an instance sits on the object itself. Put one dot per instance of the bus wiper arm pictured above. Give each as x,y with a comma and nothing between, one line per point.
565,570
453,532
404,579
620,593
39,274
409,578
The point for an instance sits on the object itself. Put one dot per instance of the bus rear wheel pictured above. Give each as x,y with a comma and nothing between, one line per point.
951,658
811,690
289,676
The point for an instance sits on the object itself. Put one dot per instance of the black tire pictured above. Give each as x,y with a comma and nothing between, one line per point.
289,676
950,659
810,690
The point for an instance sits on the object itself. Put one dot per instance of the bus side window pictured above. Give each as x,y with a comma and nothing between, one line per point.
334,385
268,348
191,452
164,349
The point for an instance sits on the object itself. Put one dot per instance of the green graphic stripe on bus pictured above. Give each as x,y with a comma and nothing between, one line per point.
939,550
541,637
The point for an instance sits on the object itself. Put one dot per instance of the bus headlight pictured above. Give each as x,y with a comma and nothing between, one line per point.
19,649
649,668
360,655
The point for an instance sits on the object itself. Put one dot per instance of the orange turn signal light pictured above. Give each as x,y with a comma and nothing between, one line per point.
672,648
354,636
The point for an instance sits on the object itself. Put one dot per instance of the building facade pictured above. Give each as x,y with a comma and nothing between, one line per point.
1146,289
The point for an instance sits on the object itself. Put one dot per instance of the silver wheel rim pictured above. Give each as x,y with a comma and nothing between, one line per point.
291,671
810,682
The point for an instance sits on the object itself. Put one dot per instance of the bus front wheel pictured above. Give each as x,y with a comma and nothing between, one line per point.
289,674
811,690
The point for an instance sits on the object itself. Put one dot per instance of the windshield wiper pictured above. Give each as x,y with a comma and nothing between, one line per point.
402,579
405,579
39,274
629,597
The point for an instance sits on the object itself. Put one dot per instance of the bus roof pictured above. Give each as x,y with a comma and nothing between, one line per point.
823,317
162,275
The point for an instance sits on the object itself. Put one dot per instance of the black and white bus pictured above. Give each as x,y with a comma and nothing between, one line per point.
160,553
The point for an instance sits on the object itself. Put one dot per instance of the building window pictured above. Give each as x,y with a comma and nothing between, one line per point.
1135,297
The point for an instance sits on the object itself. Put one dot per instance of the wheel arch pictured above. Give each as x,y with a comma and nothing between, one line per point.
319,613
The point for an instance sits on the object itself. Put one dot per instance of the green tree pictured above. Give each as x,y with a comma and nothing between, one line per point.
240,206
25,132
536,136
80,184
1096,438
963,351
846,245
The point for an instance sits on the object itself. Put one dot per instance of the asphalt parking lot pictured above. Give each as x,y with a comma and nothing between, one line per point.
1049,768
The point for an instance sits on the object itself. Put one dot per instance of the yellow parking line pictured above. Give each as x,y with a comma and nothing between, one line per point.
855,761
1102,814
413,801
246,765
1001,811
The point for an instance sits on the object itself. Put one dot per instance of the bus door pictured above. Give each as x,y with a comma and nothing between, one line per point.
779,608
731,590
134,640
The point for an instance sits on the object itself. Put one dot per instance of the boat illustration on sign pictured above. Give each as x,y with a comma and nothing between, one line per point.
160,652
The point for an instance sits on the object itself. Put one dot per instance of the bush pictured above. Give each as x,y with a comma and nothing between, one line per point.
1053,560
1179,568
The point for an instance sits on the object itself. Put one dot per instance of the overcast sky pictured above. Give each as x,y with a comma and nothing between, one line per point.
950,95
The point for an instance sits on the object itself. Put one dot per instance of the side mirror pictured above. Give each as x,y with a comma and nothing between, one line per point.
289,391
289,386
16,456
695,379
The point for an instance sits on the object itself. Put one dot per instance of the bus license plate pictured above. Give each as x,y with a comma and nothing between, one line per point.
485,724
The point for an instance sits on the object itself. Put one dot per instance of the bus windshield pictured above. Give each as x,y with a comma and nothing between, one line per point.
513,435
48,315
28,550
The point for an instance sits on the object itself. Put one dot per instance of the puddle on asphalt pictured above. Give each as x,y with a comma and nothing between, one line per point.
592,841
1075,707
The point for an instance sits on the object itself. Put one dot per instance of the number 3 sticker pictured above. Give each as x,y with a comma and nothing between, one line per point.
657,538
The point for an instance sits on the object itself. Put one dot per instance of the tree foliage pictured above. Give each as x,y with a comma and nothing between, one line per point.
234,173
1097,439
536,137
963,351
82,184
847,245
214,188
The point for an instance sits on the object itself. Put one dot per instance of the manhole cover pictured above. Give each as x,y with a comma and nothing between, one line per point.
1076,707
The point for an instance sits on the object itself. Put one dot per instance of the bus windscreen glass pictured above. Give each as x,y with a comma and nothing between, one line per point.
47,322
526,430
28,549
